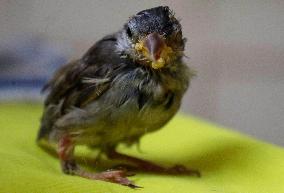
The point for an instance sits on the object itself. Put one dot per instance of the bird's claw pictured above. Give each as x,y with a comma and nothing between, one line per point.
119,177
180,169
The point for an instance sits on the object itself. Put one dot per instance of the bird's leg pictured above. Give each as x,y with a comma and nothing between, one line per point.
69,166
144,165
65,153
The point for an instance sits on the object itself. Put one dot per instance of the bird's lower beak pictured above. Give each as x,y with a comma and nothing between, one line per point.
155,45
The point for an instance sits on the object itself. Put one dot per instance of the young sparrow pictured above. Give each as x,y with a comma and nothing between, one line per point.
129,82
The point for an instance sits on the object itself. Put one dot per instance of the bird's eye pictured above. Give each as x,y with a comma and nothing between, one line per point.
129,33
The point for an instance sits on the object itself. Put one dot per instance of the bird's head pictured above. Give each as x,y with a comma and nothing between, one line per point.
152,37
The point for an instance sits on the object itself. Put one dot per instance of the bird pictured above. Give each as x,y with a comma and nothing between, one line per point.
129,83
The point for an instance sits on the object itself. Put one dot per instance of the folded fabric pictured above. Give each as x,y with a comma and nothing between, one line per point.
228,161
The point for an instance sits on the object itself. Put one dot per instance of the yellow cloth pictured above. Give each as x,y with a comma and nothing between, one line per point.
229,162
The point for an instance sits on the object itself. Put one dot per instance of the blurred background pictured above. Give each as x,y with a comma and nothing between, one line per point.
237,48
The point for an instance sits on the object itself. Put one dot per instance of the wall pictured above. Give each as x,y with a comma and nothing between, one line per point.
236,46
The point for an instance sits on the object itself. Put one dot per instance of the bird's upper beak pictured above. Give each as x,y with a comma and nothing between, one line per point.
154,44
155,49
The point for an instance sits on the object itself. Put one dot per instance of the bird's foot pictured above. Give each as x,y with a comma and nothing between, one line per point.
117,176
69,166
181,169
114,176
150,167
143,165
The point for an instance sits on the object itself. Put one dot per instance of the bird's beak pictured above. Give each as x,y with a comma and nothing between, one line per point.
154,48
155,45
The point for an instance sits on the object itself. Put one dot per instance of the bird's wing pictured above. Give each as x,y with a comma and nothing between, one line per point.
63,82
82,81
